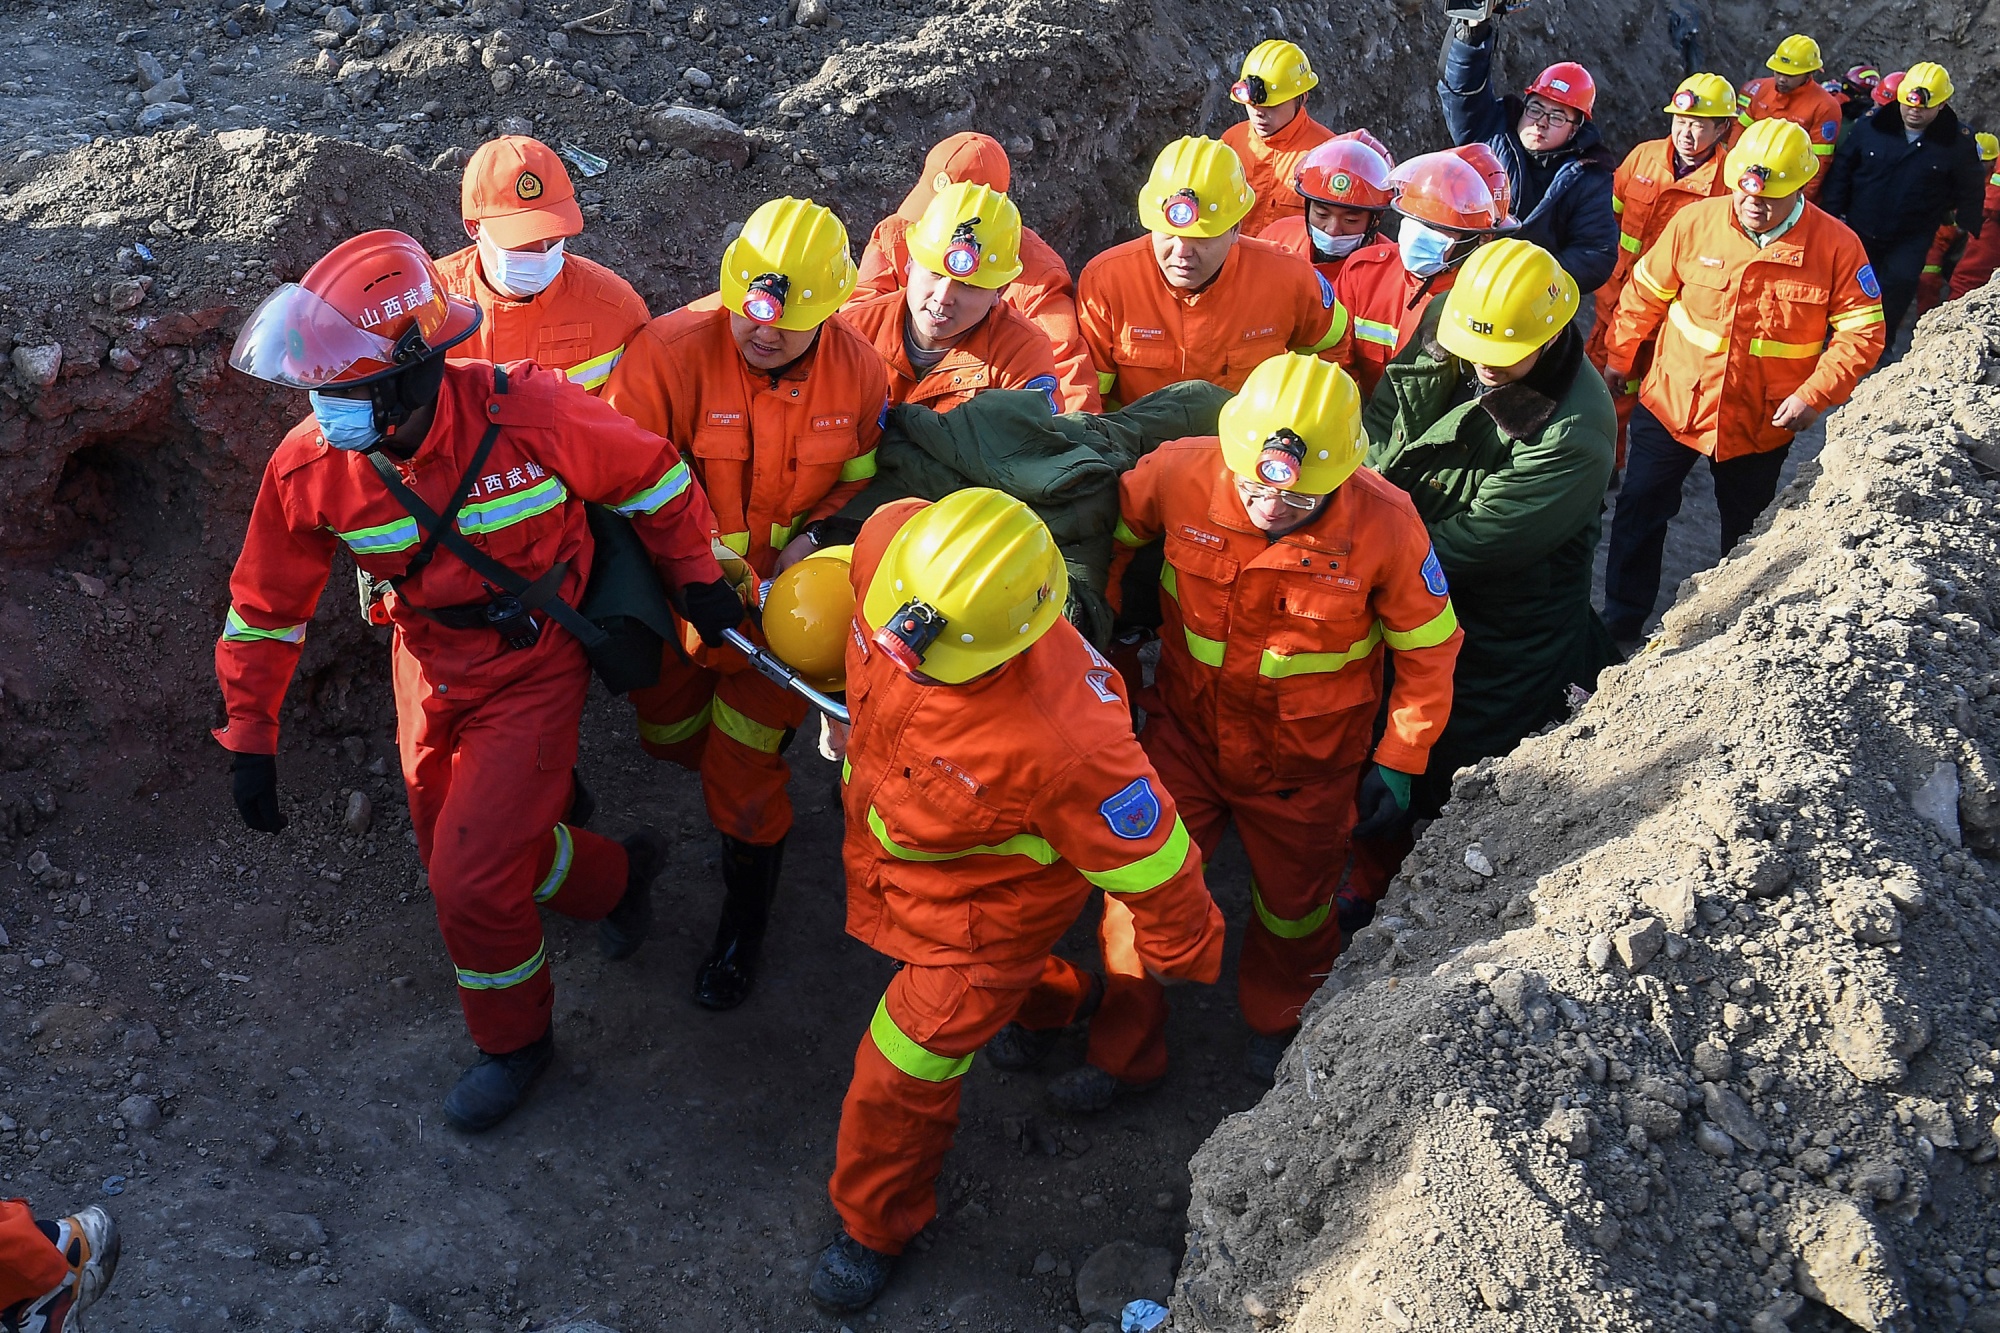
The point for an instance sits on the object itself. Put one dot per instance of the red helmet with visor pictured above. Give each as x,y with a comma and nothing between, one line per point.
1346,173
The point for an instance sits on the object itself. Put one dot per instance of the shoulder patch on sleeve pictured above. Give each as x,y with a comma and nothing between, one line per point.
1325,291
1134,812
882,417
1829,130
1866,277
1434,575
1046,385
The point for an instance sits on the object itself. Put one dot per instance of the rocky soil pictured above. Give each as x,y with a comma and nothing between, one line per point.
1687,1014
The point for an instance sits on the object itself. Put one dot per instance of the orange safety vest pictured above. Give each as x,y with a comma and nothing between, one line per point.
1646,195
1741,329
1269,164
1811,107
578,324
1003,351
1386,303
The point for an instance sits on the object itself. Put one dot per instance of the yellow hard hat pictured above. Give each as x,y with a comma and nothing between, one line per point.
1510,298
789,267
1927,84
1774,159
1797,54
966,584
971,234
1295,424
1703,95
809,615
1989,146
1273,72
1196,189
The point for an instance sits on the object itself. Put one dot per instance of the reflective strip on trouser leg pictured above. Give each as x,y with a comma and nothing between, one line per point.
746,730
1288,928
743,772
673,733
565,856
508,979
903,1052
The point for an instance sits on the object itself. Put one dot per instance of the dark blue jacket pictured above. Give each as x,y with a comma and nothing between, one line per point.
1884,186
1563,199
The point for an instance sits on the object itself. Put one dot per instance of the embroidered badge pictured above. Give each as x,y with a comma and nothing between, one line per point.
1866,277
1046,384
1434,575
1134,812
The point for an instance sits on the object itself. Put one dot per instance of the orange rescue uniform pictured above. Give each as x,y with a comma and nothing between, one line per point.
774,452
1264,707
1810,107
1386,302
1646,195
1269,165
30,1264
1982,252
1740,329
579,324
1003,351
1145,334
1290,235
1930,287
1043,293
980,818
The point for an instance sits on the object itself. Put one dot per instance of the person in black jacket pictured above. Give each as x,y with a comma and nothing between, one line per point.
1558,165
1901,173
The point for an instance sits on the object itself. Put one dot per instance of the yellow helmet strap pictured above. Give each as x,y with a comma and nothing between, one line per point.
910,634
1250,88
764,303
1284,454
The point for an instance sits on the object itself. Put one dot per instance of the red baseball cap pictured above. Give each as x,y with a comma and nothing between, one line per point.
978,158
519,192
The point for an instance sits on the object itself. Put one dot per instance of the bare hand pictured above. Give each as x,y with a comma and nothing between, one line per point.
1795,414
832,739
797,549
1615,382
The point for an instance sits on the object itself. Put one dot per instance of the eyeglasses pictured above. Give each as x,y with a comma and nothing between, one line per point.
1252,493
1543,114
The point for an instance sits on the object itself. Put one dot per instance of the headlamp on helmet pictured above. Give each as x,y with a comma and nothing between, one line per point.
1183,208
1282,457
961,257
910,634
1250,90
1754,180
764,302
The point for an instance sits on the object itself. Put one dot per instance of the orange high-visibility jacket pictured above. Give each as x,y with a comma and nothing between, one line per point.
1268,165
1271,652
1982,252
578,324
980,816
1289,234
1043,293
1145,335
1742,329
1811,107
774,452
1003,351
1646,196
558,446
1386,303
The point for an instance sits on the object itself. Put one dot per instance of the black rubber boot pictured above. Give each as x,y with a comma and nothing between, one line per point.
1263,1053
496,1085
850,1276
626,926
749,882
1015,1047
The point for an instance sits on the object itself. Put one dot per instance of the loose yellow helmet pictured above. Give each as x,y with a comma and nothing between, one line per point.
966,584
1797,54
809,615
1295,424
1703,95
1774,158
971,234
1927,84
1510,298
789,267
1273,72
1989,146
1196,189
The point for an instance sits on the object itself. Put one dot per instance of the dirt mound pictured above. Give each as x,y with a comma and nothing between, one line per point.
1684,1015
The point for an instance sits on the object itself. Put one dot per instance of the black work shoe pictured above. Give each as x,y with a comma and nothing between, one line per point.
1086,1090
582,805
625,926
1015,1047
1263,1052
850,1276
495,1085
1353,911
750,881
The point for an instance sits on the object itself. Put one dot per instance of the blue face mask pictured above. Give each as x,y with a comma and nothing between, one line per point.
347,423
1424,251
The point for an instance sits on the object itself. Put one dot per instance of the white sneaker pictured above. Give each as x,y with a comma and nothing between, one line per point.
89,1242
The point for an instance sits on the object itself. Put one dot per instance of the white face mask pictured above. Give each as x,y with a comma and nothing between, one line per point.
1425,251
1335,247
519,273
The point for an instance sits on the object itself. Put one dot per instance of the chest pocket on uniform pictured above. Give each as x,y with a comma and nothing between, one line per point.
560,346
1321,640
1706,292
1152,353
722,457
820,453
1199,580
1801,305
1250,353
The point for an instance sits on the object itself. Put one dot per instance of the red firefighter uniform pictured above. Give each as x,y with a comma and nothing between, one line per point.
1043,293
1646,195
579,324
1145,334
1930,287
1386,302
773,453
1269,165
1810,107
980,818
30,1263
1289,234
1269,683
488,735
1005,351
1982,252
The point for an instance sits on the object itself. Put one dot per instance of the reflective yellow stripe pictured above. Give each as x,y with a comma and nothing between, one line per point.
783,533
1684,324
1631,387
1785,351
1021,844
1627,241
1105,381
746,731
738,542
655,497
1617,204
598,369
1282,928
1170,582
1744,118
1277,666
1208,652
558,868
1427,635
235,629
1644,277
1857,319
858,469
1933,268
1148,872
1995,180
899,1050
1375,331
1823,149
1124,536
673,733
513,976
1334,331
846,770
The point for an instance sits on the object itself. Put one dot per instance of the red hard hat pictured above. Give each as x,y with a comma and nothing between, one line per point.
1885,91
1442,189
1363,136
1568,83
1486,162
1344,172
373,306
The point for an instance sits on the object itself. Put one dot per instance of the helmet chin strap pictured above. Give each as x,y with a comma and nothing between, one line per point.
416,385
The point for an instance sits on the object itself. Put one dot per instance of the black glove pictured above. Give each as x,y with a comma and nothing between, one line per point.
255,777
712,608
1384,803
